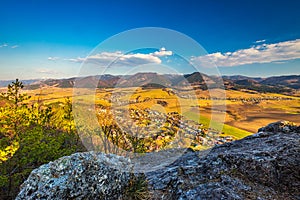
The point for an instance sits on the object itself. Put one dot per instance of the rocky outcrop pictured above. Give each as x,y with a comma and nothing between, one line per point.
265,165
280,127
87,175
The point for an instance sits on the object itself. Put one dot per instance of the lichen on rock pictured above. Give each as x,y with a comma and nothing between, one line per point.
88,175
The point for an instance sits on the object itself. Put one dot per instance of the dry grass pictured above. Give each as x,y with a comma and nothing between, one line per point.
242,115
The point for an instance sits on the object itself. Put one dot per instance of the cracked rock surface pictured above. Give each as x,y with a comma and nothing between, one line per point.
265,165
86,175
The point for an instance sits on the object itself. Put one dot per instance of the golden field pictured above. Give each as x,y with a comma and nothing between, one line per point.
245,111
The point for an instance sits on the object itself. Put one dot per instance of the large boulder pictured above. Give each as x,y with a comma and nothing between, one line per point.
265,165
87,175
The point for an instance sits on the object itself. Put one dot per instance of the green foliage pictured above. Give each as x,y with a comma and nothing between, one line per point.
39,114
31,135
68,116
13,114
14,94
36,147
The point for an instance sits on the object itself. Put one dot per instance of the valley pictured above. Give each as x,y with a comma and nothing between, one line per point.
245,109
195,107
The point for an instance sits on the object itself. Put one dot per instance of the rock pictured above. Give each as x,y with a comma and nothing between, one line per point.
280,126
262,166
87,175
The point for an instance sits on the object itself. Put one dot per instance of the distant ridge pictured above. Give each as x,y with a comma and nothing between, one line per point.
292,81
277,84
241,77
4,83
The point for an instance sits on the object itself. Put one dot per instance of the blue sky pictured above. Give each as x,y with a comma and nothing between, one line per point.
49,39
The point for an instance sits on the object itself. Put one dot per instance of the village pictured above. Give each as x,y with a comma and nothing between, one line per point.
170,130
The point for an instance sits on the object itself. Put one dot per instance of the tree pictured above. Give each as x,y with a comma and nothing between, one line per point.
14,113
14,93
68,116
31,135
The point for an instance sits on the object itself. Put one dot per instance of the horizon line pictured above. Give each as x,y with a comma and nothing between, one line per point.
70,77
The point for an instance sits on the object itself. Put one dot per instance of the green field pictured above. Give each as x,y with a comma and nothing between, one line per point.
226,129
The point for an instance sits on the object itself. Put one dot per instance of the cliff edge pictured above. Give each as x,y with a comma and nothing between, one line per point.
265,165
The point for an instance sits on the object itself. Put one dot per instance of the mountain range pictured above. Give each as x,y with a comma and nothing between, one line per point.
277,84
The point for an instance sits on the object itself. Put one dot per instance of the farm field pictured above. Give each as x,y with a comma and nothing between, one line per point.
245,111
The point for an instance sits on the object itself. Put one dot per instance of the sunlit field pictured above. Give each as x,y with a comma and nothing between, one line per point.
246,111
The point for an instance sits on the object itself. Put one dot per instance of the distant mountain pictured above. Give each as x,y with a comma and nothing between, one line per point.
278,84
240,77
195,78
142,79
104,81
292,81
25,82
62,83
247,82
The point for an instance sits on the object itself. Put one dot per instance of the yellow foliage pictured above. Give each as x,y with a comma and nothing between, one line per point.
9,151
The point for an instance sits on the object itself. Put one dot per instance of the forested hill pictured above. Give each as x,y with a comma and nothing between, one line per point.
276,84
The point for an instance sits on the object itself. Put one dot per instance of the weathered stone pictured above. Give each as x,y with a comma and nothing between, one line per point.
262,166
280,126
79,176
265,166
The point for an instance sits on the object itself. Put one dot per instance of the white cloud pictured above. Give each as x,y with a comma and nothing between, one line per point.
263,53
132,59
162,52
53,58
3,45
6,45
259,41
138,59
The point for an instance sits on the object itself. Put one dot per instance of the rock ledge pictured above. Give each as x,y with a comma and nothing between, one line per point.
86,175
265,165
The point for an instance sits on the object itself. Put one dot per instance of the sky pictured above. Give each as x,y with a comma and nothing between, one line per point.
55,39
